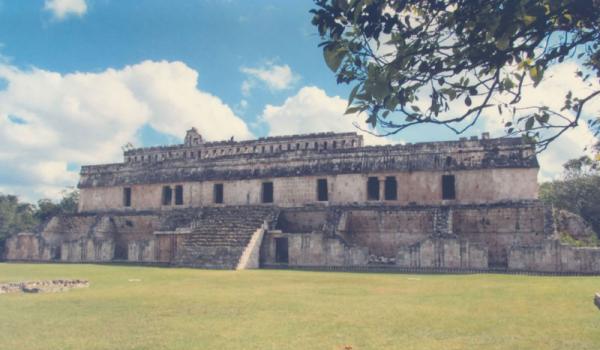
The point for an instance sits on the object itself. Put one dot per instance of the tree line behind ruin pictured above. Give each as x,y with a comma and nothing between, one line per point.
18,216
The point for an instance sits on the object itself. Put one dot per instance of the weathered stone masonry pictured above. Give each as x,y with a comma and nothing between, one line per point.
312,200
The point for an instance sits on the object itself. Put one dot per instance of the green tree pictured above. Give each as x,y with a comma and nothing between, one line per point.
46,208
15,216
414,61
578,192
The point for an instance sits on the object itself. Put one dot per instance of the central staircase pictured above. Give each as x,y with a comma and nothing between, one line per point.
219,235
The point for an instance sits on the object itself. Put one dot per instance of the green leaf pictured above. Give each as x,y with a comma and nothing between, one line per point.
355,109
372,120
528,19
536,75
502,43
468,101
568,17
353,94
533,72
380,88
543,118
334,55
529,123
508,83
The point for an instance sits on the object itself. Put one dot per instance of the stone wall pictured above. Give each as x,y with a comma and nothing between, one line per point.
512,235
385,230
446,253
87,250
552,256
83,237
24,246
435,156
314,249
500,227
473,186
195,148
142,251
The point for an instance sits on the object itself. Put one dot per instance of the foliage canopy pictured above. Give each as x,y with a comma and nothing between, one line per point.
16,216
578,191
446,62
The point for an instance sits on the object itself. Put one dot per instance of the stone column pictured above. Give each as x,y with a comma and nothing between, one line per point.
381,188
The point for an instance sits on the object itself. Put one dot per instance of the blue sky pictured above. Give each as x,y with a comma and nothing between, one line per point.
80,78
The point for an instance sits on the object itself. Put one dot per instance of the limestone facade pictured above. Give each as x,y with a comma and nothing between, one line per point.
312,200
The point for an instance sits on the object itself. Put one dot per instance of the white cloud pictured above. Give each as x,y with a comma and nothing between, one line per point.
84,118
558,81
61,9
311,110
275,77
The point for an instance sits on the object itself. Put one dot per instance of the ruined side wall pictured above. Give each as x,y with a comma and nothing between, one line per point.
79,238
443,253
314,249
384,232
421,187
499,228
551,256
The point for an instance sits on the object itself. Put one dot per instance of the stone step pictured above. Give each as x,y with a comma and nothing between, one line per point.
219,235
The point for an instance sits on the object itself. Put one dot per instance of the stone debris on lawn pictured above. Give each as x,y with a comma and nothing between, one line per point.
374,259
50,286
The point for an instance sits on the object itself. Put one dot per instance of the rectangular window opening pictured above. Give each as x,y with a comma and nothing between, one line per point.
167,195
218,193
373,189
267,192
322,190
127,196
391,188
178,195
448,187
281,250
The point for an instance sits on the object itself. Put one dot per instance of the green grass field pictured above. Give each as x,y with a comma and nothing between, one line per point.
198,309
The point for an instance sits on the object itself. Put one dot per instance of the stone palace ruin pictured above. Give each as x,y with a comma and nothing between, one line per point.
316,200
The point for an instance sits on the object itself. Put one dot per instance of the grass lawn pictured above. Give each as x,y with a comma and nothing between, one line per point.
198,309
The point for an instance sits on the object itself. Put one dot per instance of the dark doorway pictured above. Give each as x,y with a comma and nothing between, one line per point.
373,189
120,251
281,250
167,195
55,252
391,188
127,197
178,195
218,193
322,191
448,187
267,192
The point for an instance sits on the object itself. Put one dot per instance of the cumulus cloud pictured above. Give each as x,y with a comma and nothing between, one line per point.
275,77
62,9
312,110
85,118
